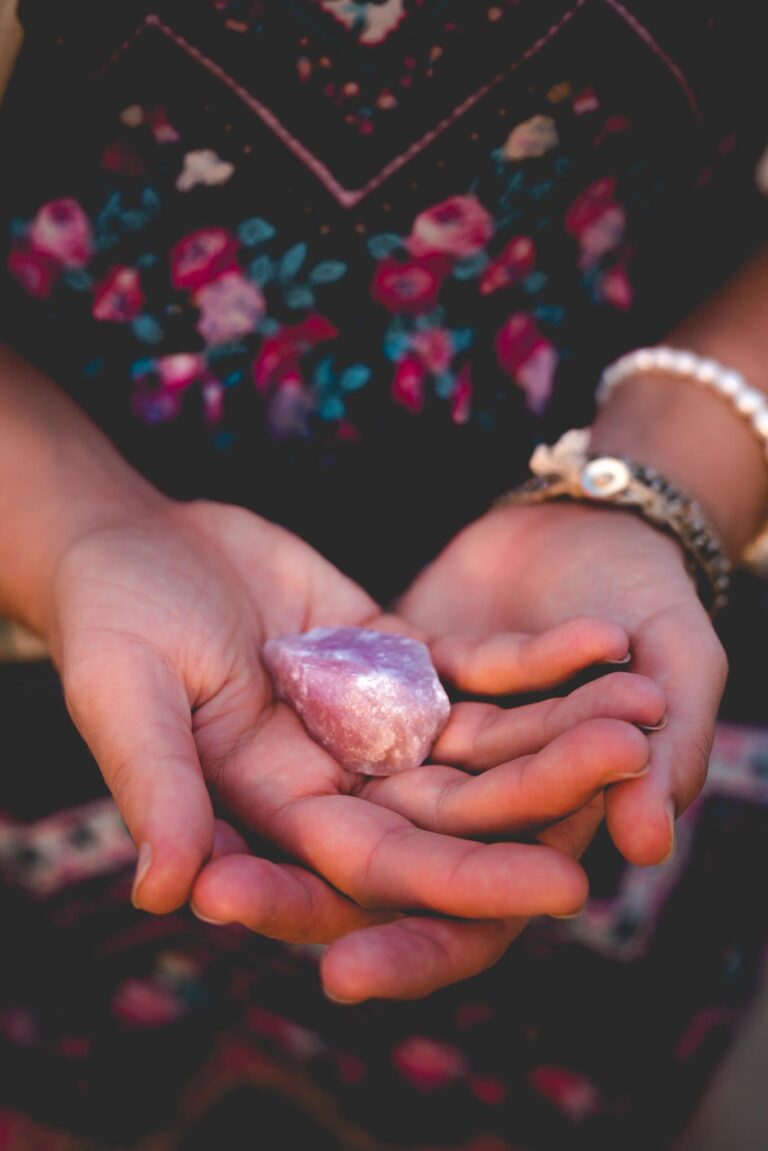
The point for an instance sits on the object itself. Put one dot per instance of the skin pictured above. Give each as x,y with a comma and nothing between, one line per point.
155,613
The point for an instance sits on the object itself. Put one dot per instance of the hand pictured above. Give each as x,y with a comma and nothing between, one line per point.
158,623
526,569
565,754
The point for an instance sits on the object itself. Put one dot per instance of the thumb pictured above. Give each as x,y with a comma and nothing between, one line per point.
133,712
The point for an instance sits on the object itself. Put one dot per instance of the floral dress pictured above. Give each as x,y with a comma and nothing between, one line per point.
345,262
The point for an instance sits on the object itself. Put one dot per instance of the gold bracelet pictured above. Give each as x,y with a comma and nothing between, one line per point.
568,472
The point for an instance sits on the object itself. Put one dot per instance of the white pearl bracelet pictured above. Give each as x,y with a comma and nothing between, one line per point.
748,402
731,385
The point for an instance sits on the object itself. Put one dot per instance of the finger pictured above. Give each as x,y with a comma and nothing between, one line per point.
412,957
680,650
227,841
134,715
523,795
278,900
574,835
381,860
376,857
515,662
481,735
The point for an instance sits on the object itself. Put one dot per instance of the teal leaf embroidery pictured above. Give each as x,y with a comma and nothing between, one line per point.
255,231
384,245
261,270
355,377
78,279
300,298
292,261
536,282
147,329
331,409
269,326
327,272
470,266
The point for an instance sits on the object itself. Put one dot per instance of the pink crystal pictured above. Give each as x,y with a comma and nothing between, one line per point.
373,700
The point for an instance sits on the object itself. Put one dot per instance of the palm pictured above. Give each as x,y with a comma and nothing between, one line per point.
159,630
527,569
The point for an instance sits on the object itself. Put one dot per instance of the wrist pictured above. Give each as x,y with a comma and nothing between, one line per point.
60,478
693,438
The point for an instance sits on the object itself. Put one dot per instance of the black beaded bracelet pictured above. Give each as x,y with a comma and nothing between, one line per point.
567,472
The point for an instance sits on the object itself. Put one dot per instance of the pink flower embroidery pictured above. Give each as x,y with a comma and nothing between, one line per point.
427,1064
528,358
62,230
512,265
434,347
570,1092
179,371
596,220
458,226
615,287
461,400
410,286
202,257
119,297
290,410
144,1003
230,308
36,272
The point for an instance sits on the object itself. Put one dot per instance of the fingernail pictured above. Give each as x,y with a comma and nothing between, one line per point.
341,1002
620,662
671,816
207,919
571,914
142,867
654,726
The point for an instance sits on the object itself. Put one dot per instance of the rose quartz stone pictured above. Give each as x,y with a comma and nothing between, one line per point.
371,699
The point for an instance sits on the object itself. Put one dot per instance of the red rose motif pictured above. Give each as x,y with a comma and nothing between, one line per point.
408,384
202,257
62,230
434,347
279,355
410,286
36,272
119,298
528,358
513,264
461,400
590,205
458,226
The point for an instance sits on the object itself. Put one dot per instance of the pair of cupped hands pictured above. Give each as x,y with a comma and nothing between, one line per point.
423,878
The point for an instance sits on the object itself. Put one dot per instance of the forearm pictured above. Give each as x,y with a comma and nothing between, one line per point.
693,436
59,478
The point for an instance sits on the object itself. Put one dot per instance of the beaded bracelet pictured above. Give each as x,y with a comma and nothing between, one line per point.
749,403
566,471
